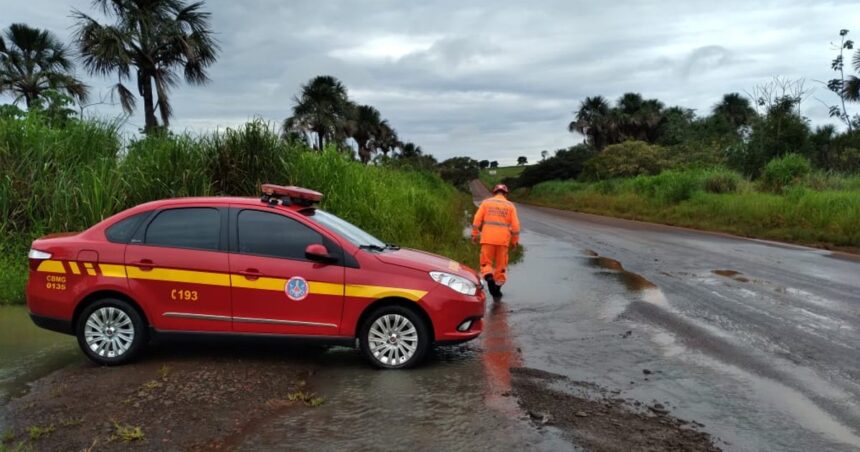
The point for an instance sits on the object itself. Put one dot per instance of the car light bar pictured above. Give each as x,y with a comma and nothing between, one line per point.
289,194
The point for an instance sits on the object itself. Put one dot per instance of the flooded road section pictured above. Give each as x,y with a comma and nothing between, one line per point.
757,341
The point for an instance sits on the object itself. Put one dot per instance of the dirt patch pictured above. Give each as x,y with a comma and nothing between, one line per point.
726,273
633,281
598,420
194,396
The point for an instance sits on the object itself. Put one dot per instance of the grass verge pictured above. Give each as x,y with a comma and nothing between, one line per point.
489,179
821,211
67,179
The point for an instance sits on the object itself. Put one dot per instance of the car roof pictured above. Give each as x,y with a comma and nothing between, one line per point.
219,200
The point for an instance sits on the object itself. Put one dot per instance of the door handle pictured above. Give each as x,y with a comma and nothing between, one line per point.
250,273
144,264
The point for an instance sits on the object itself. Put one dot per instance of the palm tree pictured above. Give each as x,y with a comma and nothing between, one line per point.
322,109
735,109
365,126
409,149
592,120
648,119
33,61
152,40
386,139
852,85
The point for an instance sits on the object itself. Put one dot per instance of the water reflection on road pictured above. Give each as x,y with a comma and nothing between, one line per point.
459,400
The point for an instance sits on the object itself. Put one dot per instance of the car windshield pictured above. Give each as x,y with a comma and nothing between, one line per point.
347,230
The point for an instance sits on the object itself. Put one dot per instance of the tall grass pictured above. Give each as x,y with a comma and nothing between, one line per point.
54,180
819,210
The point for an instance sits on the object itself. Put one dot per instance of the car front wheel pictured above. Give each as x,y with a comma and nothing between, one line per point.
394,337
110,332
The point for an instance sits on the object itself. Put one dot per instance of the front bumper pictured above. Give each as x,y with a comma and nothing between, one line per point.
448,310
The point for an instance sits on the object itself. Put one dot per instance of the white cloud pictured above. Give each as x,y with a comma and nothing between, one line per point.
492,79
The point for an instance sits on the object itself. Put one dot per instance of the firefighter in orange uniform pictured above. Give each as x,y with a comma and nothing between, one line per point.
498,227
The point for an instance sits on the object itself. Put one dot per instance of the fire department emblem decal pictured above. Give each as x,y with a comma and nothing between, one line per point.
296,288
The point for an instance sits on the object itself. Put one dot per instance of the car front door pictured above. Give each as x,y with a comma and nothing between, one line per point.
276,288
177,265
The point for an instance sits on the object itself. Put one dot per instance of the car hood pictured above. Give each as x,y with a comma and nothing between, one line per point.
424,261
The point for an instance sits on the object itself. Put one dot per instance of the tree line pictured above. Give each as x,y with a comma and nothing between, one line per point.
148,47
635,135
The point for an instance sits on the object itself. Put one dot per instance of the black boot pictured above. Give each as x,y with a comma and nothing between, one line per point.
495,291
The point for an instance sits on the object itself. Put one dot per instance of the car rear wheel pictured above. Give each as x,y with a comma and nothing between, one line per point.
110,332
394,337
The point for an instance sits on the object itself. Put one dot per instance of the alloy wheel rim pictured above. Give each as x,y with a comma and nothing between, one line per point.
109,332
393,339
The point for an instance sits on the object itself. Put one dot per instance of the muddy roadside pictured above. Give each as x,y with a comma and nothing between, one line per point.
181,396
598,420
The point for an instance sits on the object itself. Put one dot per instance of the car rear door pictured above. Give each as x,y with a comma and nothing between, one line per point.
177,265
275,288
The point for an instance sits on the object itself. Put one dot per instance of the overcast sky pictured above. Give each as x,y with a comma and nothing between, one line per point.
490,79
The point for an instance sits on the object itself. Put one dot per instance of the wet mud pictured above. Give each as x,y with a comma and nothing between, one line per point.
192,396
633,281
599,420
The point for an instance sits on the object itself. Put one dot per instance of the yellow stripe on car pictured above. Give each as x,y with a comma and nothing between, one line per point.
234,280
355,290
261,283
111,270
74,266
180,276
50,266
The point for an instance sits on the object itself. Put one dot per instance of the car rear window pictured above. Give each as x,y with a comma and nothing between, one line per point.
191,227
271,234
122,230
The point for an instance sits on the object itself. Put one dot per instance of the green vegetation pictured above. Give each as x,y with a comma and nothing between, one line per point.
36,432
752,167
68,178
310,399
34,62
501,174
815,209
127,433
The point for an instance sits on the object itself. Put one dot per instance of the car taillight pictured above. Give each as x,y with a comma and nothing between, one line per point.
37,257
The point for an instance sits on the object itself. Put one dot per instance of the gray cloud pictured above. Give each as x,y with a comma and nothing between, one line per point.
491,79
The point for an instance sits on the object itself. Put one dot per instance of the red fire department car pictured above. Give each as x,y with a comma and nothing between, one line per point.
270,266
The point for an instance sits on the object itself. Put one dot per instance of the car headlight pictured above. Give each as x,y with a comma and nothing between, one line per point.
456,283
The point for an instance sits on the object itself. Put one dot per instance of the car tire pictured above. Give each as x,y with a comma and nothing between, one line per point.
394,337
110,332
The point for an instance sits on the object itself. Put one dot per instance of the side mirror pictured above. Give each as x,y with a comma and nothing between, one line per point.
318,253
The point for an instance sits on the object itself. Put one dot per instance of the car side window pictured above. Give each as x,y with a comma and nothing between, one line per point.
122,230
271,234
190,227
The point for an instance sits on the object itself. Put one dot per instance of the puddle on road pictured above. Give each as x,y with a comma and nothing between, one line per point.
28,352
459,400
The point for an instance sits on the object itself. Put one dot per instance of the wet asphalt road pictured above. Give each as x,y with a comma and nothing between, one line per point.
765,352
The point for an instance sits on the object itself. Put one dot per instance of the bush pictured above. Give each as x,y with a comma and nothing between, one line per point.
722,181
565,164
782,172
628,159
669,187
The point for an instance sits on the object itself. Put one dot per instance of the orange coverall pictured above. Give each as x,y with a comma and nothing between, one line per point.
499,228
